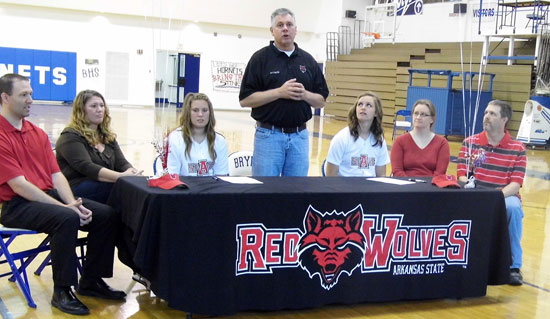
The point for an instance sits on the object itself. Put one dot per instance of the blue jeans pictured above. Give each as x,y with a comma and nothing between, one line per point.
280,154
94,190
514,212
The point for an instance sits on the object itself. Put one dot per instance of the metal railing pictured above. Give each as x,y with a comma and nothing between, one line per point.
343,41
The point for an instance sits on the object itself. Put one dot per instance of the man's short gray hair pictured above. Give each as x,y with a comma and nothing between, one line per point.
281,12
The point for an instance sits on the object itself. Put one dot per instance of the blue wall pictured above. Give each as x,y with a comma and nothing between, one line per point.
52,73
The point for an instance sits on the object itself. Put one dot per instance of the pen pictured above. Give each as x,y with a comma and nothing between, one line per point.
214,177
417,180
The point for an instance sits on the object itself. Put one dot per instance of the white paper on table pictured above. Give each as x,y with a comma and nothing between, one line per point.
239,180
388,180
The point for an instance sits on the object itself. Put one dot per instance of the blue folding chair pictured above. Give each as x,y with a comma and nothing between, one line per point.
157,165
80,244
401,121
25,257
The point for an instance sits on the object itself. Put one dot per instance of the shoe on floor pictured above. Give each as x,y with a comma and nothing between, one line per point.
516,279
66,301
100,289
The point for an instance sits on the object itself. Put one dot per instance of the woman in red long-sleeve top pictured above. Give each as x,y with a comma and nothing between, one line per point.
420,152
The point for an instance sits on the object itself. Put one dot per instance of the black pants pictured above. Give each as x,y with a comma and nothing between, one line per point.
100,191
62,224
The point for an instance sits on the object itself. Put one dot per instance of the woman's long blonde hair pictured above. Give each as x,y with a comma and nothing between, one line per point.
187,127
103,133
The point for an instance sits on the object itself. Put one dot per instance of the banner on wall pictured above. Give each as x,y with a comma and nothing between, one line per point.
91,69
227,76
487,12
91,72
409,7
52,73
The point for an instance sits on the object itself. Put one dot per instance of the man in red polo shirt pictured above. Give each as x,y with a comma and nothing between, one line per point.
493,159
36,195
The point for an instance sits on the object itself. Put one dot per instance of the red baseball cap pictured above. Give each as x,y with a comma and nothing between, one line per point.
167,181
445,181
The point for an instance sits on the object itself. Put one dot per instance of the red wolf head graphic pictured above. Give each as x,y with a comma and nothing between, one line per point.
333,243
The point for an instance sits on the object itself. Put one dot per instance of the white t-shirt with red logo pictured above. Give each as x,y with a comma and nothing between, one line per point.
356,158
199,163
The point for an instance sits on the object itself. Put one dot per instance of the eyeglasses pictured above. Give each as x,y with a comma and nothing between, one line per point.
417,114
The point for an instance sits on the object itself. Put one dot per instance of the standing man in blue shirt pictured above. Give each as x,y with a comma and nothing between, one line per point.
280,84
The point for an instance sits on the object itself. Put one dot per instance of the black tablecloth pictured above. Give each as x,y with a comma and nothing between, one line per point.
220,248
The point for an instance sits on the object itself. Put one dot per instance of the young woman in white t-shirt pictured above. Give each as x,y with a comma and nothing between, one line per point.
360,148
195,148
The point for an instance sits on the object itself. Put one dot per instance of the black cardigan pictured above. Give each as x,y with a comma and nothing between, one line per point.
80,161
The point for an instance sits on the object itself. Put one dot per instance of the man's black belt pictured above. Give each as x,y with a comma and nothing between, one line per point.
291,129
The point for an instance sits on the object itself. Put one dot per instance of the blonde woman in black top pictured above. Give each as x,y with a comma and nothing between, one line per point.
89,156
87,151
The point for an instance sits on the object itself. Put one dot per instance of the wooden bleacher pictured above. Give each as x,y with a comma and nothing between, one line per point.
383,68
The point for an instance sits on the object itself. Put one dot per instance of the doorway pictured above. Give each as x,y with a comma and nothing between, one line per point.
177,75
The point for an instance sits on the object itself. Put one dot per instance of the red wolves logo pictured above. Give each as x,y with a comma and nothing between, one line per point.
333,244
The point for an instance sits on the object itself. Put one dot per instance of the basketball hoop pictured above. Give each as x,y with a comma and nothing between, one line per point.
374,35
380,19
369,37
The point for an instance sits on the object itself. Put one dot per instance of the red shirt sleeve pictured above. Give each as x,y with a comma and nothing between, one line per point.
443,157
396,157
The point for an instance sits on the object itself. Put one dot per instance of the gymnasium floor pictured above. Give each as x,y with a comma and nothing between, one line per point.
137,128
